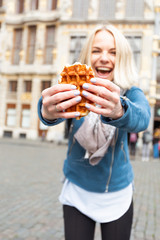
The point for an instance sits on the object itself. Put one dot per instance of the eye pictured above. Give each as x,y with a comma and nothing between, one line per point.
113,52
95,51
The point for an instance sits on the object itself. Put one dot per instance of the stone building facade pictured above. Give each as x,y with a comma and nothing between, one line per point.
39,37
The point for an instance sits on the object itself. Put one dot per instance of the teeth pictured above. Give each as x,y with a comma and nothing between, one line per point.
103,69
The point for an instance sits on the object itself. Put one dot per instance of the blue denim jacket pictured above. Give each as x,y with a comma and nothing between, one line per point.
114,172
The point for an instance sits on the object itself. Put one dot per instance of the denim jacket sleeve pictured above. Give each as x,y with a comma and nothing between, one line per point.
45,121
136,112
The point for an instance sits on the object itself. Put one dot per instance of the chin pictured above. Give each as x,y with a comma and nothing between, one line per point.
104,77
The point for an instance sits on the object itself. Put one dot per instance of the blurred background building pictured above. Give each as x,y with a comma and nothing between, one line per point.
39,37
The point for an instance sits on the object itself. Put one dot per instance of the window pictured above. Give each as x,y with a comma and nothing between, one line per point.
1,3
135,43
25,116
52,4
158,70
107,9
134,8
157,24
45,84
80,9
11,115
42,128
158,61
157,111
17,45
34,4
50,38
27,86
12,86
31,44
76,44
20,6
7,134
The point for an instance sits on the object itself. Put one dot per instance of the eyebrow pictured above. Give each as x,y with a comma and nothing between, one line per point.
100,48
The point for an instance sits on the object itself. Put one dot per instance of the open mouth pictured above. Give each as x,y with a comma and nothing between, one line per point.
103,71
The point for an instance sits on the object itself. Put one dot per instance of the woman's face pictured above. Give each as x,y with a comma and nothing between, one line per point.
103,55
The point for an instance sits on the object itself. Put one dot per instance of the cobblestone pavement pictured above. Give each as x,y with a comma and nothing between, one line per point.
30,183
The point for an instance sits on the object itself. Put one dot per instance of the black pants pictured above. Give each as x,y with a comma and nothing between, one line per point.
133,148
77,226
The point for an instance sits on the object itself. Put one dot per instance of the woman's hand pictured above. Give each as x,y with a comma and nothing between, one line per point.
106,95
56,99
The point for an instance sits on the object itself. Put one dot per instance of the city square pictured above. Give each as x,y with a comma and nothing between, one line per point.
31,179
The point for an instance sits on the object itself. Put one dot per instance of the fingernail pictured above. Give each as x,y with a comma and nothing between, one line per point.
84,93
77,114
85,86
93,80
73,87
87,106
76,93
78,99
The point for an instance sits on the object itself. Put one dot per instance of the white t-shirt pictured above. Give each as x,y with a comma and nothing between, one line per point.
101,207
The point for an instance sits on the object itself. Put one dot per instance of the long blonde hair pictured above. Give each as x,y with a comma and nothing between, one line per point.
125,72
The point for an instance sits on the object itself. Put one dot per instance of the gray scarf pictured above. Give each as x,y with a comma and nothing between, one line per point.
95,137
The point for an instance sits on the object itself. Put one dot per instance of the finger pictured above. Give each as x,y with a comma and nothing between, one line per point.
105,83
59,97
98,90
67,104
102,91
104,102
99,109
58,88
56,109
59,110
54,113
67,115
64,96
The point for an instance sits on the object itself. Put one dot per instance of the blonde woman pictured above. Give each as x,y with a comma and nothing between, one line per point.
97,168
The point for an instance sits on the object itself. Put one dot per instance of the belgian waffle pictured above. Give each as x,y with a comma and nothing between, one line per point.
77,74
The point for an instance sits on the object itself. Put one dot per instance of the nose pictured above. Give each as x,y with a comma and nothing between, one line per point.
104,56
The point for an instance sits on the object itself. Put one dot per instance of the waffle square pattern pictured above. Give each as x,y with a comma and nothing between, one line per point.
77,74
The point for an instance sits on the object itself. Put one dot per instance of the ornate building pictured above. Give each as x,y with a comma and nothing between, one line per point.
39,37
